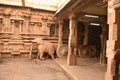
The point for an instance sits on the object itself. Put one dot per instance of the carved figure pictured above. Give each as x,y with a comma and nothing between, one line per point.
45,47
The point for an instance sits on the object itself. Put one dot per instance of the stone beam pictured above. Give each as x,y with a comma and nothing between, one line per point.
68,8
84,4
76,7
96,10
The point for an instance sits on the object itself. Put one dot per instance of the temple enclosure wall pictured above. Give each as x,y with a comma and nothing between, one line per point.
19,26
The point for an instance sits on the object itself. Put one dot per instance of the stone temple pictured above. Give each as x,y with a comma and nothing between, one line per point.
64,29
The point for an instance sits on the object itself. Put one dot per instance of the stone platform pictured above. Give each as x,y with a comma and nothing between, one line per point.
86,69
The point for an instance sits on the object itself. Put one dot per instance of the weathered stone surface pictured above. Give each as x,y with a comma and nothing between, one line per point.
20,25
113,44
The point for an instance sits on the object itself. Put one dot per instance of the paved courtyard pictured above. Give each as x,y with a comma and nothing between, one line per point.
21,69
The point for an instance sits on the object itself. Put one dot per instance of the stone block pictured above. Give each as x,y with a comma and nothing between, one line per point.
111,44
110,53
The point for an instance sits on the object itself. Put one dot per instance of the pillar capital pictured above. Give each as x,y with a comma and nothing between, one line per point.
21,21
27,17
73,16
61,21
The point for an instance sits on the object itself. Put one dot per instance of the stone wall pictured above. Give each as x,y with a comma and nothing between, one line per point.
33,21
20,25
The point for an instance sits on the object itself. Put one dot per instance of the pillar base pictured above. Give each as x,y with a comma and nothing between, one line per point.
72,60
109,76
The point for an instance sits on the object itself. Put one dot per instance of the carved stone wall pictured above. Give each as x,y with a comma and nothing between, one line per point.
19,26
34,21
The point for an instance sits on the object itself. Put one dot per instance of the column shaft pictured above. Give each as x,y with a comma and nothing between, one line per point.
60,32
72,44
103,42
86,34
12,26
7,23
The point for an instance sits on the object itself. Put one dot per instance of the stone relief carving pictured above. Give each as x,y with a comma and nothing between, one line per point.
8,11
44,18
13,23
1,25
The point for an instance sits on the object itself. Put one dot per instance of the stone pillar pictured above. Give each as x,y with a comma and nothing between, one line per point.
72,44
12,25
1,45
86,34
7,23
56,30
20,25
103,37
1,25
26,23
60,42
113,44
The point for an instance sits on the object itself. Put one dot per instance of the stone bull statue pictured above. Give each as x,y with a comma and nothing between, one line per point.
45,47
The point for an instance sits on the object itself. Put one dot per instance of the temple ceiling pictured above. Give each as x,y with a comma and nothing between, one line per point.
85,7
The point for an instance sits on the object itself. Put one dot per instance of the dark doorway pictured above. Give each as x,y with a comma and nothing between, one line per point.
94,37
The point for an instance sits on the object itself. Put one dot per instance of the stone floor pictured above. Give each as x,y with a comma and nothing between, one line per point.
86,69
21,69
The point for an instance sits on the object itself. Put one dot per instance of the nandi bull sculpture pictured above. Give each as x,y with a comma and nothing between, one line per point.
45,47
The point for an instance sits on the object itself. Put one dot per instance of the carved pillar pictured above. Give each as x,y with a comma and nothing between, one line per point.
113,44
26,24
86,34
1,45
45,26
20,25
56,30
103,37
12,25
72,44
32,25
1,25
6,22
60,42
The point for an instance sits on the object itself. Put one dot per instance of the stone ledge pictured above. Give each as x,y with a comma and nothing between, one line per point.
66,71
